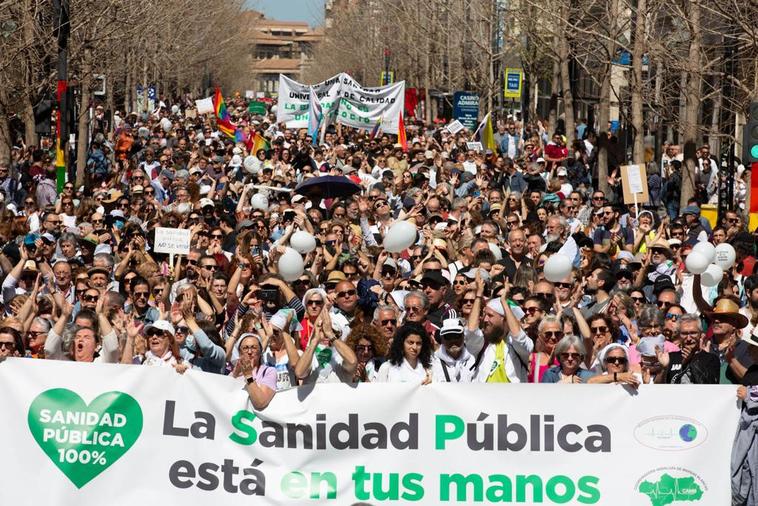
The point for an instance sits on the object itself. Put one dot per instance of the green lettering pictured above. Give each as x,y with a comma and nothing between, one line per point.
586,486
500,488
521,483
461,483
242,422
293,485
441,432
414,491
331,485
557,481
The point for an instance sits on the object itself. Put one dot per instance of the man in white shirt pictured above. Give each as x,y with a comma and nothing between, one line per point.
453,363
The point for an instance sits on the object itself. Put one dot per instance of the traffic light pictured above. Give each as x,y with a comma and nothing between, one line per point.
750,137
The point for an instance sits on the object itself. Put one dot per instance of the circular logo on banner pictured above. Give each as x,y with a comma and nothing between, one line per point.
667,485
670,433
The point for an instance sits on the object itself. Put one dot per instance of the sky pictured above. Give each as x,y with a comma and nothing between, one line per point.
311,11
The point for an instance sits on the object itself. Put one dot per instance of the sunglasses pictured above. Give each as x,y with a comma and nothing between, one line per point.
209,267
182,330
638,299
572,356
388,274
364,347
153,332
468,301
553,334
615,360
388,321
563,285
6,345
139,295
673,317
664,304
156,291
315,302
346,293
89,298
599,330
531,309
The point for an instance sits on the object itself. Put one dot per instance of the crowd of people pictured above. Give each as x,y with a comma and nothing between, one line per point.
467,301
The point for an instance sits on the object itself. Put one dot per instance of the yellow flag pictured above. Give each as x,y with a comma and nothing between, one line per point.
487,133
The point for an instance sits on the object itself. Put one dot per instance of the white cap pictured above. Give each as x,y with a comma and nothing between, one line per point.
206,203
562,172
161,325
451,327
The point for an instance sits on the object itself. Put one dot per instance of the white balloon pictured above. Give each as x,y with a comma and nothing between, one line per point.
166,124
291,265
557,267
725,256
249,162
303,242
401,235
706,248
175,109
712,275
259,201
696,262
496,251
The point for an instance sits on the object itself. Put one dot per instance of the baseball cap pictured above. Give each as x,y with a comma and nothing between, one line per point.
206,203
161,325
662,282
451,328
434,277
562,172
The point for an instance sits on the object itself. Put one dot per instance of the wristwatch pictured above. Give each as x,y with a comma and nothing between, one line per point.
250,380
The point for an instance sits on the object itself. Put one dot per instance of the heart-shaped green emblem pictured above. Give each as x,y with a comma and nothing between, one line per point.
83,441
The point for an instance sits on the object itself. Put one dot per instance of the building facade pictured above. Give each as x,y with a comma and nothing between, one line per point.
280,47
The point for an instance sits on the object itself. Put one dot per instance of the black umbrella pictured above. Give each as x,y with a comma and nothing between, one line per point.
327,187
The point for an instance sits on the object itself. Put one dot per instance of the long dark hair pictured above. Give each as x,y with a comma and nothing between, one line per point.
397,355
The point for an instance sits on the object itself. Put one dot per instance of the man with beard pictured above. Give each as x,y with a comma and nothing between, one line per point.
454,363
501,346
611,237
692,364
599,285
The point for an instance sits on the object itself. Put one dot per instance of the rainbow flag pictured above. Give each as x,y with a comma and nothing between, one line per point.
219,106
240,135
401,138
227,128
255,142
375,130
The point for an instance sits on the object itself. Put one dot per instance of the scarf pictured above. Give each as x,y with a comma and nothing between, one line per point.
152,359
323,356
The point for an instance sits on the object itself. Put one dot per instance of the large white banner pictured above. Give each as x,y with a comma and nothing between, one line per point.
94,434
343,100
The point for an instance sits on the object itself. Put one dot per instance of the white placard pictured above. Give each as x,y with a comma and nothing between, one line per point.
476,146
204,105
455,127
172,240
635,179
249,94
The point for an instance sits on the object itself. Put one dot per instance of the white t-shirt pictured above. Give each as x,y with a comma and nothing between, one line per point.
403,373
285,373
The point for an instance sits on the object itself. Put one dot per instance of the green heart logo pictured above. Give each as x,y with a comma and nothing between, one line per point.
83,441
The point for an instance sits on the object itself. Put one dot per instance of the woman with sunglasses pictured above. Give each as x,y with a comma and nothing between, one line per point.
570,353
614,364
549,333
260,379
602,333
313,300
370,349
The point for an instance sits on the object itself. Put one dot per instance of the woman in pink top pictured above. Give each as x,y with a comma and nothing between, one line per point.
550,331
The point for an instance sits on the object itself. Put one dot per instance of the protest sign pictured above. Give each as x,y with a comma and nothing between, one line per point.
455,126
175,241
256,107
140,433
475,146
204,105
466,108
342,100
634,184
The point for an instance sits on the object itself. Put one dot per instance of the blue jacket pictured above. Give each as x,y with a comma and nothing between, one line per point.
553,375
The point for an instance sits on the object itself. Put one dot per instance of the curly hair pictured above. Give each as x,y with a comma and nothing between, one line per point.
368,332
397,353
612,327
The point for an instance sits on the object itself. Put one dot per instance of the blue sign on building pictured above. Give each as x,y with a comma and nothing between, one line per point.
466,109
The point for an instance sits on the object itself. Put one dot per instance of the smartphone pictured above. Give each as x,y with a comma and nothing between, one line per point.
256,250
269,295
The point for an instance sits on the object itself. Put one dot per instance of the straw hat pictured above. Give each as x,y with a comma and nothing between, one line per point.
728,311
